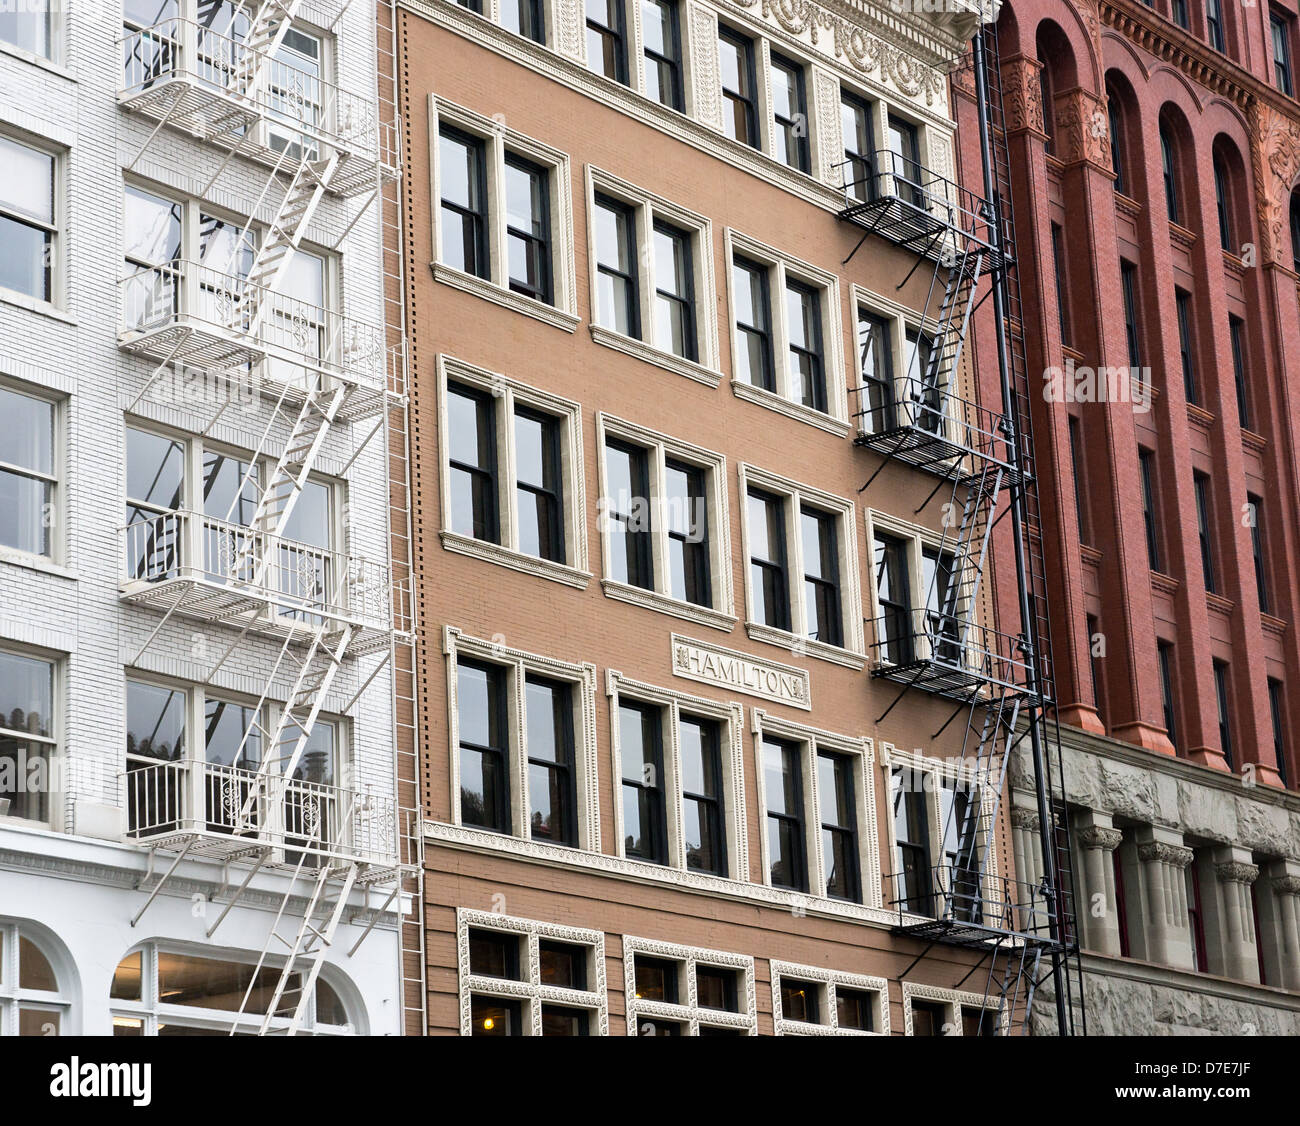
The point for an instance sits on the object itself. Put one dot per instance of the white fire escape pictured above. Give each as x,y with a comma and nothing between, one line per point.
233,89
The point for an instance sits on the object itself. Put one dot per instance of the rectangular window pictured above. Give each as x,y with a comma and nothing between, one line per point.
539,487
912,859
1237,336
1196,917
1214,24
28,480
662,37
790,113
754,355
1277,712
617,296
768,565
783,782
893,595
800,1001
524,17
645,829
856,116
462,171
1058,267
1096,670
627,514
927,401
1080,484
839,823
1255,512
27,26
700,746
28,231
1280,31
484,746
1121,903
821,576
1222,205
27,735
905,160
1204,516
1116,142
687,519
528,228
1183,308
155,746
739,100
1222,673
804,325
607,39
472,457
1128,290
876,355
1178,9
942,612
706,992
552,786
1165,655
674,292
1150,517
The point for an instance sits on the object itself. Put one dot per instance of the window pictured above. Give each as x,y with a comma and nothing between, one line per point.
1116,123
1165,656
1201,488
524,17
1223,204
1121,903
856,127
1277,713
1178,9
1150,516
1062,298
662,37
1169,170
932,1011
524,978
28,26
523,766
1196,917
33,1001
786,336
783,789
505,230
607,39
839,826
650,258
1280,31
1214,24
929,1018
28,217
842,1004
1080,483
739,88
161,992
662,515
28,736
676,757
894,640
913,879
513,488
1182,307
1222,674
28,475
1254,512
905,160
790,113
1237,337
802,560
1128,290
673,990
876,357
1096,670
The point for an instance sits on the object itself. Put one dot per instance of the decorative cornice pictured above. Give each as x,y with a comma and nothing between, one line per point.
1098,836
1236,872
1174,855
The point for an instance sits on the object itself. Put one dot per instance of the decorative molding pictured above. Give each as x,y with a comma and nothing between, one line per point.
663,604
784,1026
701,28
1236,872
669,361
1094,836
690,1013
515,560
1286,885
508,299
955,999
1275,164
1174,855
1022,96
805,646
797,411
1083,130
727,668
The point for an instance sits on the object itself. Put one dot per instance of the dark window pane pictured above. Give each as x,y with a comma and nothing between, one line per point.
854,1009
656,980
560,1021
491,1016
716,989
800,1000
492,954
563,964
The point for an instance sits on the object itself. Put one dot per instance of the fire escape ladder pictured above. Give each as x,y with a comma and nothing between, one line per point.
265,35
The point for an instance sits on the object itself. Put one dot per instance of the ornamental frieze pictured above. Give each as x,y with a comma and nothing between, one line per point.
1022,103
1275,160
1082,129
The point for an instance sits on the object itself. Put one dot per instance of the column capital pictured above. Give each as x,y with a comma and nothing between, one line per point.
1177,856
1236,872
1097,836
1286,885
1022,818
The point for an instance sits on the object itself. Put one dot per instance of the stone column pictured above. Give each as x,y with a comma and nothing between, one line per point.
1164,860
1235,874
1096,907
1024,843
1279,923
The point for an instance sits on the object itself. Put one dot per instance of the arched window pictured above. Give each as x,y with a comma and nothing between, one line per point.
1118,160
1169,169
161,992
1229,195
32,998
1056,72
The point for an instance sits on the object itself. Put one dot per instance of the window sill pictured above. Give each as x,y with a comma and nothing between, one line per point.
515,560
663,604
16,558
517,302
639,349
797,411
35,305
805,646
37,61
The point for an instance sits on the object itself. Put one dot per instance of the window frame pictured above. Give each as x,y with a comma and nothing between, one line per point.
675,62
779,62
54,743
620,37
55,553
56,281
508,397
829,981
687,1011
748,49
499,140
1281,30
955,999
852,652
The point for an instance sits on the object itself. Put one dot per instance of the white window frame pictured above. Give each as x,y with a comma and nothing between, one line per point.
780,267
810,741
690,1013
58,459
151,1011
54,743
954,999
852,654
646,209
517,665
660,447
59,198
531,991
672,705
54,14
551,14
507,394
689,48
13,998
497,138
828,980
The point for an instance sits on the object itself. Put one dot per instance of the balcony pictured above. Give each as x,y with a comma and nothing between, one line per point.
204,568
219,90
963,905
182,312
927,650
226,812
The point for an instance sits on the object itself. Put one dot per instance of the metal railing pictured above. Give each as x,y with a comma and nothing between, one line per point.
184,311
967,898
298,582
289,107
236,809
945,654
